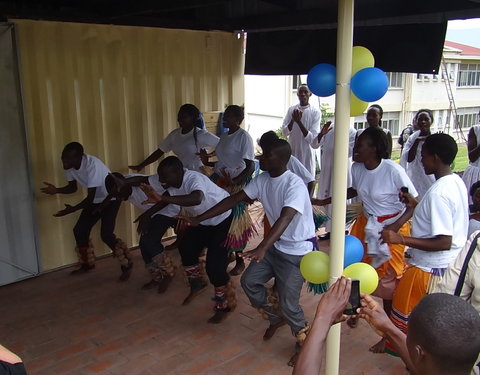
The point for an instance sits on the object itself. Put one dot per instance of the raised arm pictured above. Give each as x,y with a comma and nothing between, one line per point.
249,168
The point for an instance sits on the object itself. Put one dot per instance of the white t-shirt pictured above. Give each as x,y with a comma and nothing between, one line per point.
212,194
378,188
286,190
296,167
442,211
231,151
184,146
91,174
138,196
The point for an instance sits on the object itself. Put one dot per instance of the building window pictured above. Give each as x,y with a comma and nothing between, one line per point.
468,75
390,121
467,117
395,79
296,81
360,125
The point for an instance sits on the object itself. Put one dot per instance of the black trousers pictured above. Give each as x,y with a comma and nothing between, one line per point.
151,242
212,237
87,220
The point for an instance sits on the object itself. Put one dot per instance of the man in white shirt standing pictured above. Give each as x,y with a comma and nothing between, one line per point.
302,125
287,205
90,172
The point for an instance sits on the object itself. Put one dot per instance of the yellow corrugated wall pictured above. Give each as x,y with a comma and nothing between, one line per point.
115,89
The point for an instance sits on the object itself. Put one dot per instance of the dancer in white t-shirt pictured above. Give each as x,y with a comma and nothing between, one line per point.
197,193
153,223
302,125
233,171
439,228
90,172
186,141
287,205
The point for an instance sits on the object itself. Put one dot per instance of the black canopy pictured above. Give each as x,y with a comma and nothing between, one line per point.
284,36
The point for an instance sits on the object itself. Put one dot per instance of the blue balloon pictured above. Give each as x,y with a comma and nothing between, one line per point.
321,79
353,250
369,84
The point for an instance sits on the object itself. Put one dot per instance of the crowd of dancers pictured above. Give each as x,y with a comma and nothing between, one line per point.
414,221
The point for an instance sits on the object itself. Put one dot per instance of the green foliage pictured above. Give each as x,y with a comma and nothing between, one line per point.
327,113
461,161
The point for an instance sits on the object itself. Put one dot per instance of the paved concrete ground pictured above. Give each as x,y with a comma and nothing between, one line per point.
92,324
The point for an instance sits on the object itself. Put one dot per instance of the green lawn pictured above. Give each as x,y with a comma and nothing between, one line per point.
459,164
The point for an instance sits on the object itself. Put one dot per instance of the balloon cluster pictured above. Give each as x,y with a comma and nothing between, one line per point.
368,83
315,267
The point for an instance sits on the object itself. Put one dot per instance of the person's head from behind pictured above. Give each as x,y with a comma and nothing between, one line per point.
423,120
267,139
374,115
443,335
304,94
276,156
72,155
438,151
475,194
117,187
372,144
233,116
189,116
170,172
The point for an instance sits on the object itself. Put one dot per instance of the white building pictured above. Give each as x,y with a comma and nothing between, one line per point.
268,97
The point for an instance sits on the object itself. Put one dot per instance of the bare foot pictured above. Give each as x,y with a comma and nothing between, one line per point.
352,322
379,347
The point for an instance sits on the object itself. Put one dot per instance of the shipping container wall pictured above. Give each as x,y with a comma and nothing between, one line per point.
116,90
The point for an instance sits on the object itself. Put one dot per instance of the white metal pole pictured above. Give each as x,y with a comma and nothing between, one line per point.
340,164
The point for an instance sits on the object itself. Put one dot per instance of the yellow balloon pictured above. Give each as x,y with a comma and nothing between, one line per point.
315,267
365,273
361,58
357,106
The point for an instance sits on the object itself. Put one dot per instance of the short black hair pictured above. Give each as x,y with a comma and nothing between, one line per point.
170,162
267,139
282,148
379,140
442,145
447,327
426,110
376,106
110,184
474,188
74,148
237,111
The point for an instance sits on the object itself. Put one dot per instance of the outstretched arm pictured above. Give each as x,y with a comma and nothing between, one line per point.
50,189
329,311
383,326
286,216
249,168
351,193
88,201
154,156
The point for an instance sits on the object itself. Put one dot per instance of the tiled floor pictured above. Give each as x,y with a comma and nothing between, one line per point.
92,324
